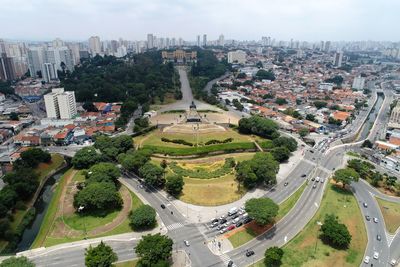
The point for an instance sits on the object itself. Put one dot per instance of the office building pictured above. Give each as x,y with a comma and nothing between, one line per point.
198,41
94,45
60,104
61,57
35,60
58,42
337,59
204,40
237,56
359,83
327,46
150,41
7,70
221,40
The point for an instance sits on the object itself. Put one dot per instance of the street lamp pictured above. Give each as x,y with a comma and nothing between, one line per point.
81,208
316,240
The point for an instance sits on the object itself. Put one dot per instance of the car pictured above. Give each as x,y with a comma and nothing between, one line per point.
235,216
376,255
314,186
393,262
367,217
230,264
317,179
247,220
365,205
311,151
232,211
222,221
313,179
236,220
366,259
219,227
241,212
245,215
249,253
226,224
222,217
286,183
162,206
214,220
186,243
238,224
231,227
304,175
222,230
322,180
375,220
214,224
378,237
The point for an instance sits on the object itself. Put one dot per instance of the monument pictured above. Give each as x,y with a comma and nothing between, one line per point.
192,115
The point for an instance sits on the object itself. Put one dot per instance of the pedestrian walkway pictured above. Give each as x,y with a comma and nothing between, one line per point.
174,226
225,258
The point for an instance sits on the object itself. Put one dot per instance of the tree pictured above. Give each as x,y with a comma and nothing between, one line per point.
281,154
17,262
333,121
100,256
85,158
152,174
164,164
273,257
143,218
241,75
8,197
174,185
153,249
310,117
32,157
288,142
265,75
257,125
89,107
98,197
105,168
346,176
320,104
262,210
367,143
303,132
14,116
133,161
334,232
281,101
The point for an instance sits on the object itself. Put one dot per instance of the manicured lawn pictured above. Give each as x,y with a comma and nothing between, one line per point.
289,203
74,221
131,263
241,237
391,214
44,168
50,215
211,192
306,249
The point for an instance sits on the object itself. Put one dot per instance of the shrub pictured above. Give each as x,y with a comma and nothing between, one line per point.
143,218
177,141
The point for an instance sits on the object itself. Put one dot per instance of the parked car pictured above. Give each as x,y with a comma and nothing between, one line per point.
231,227
222,231
222,217
245,215
247,220
236,220
232,211
222,221
214,220
219,227
238,224
235,216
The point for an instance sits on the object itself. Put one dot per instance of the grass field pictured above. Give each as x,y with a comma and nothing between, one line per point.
44,238
247,234
44,168
306,249
391,214
131,263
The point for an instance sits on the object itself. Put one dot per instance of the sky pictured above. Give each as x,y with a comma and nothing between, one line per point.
308,20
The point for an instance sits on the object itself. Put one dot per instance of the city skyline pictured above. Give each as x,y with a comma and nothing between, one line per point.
133,20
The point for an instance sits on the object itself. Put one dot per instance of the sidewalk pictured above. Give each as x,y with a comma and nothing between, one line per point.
220,245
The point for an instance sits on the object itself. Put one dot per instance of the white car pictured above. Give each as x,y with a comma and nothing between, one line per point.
376,255
317,179
366,259
222,231
375,220
186,243
322,180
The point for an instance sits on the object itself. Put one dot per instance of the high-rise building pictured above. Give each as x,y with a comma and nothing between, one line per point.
35,60
7,70
61,57
198,40
60,104
150,41
358,83
94,45
337,59
327,46
114,46
221,40
204,39
49,72
237,56
58,42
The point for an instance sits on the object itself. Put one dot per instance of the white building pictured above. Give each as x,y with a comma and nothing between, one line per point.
121,51
60,104
49,72
94,45
325,86
237,56
36,59
337,59
150,41
359,83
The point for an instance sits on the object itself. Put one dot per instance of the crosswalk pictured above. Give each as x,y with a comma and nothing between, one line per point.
174,226
389,238
225,258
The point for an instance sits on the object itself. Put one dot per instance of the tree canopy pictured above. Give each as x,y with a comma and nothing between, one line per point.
262,210
334,232
101,255
153,249
259,126
288,142
105,169
273,257
265,75
346,176
152,174
144,217
85,158
174,185
320,104
17,262
132,161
